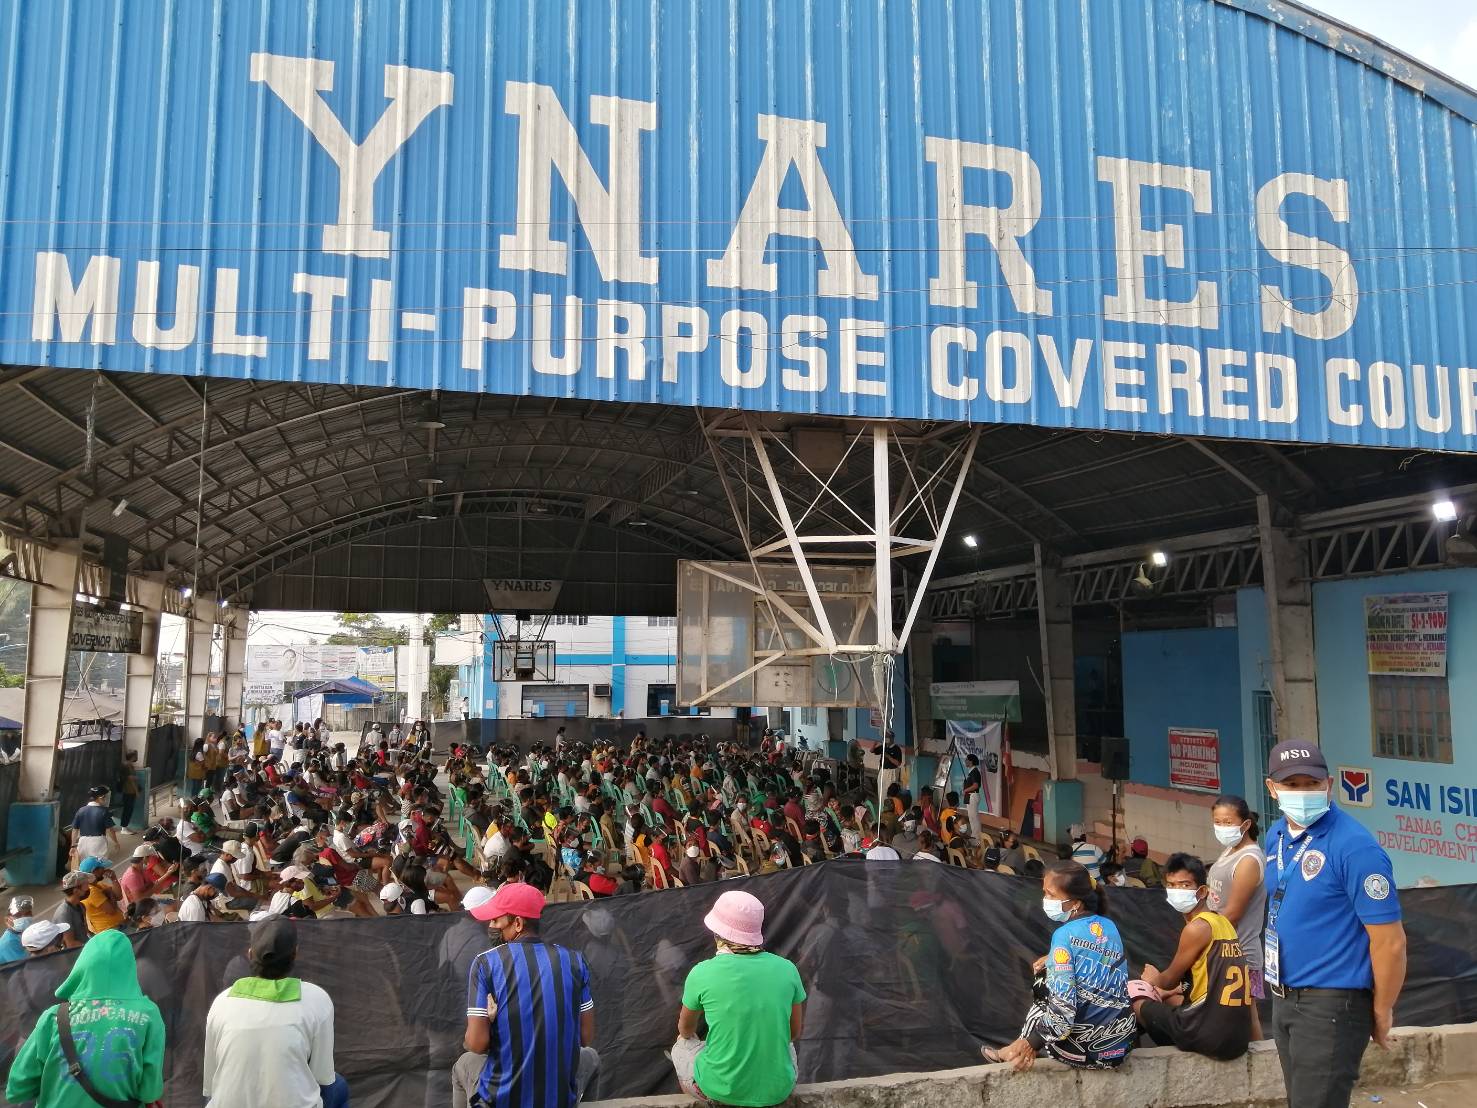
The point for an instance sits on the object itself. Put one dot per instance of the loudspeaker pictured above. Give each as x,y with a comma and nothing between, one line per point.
1115,759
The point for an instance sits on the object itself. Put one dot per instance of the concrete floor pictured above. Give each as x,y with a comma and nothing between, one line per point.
1441,1094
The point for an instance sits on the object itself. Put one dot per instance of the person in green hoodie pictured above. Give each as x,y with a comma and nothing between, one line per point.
118,1032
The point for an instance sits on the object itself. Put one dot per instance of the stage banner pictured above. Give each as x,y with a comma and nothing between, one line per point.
1405,634
986,741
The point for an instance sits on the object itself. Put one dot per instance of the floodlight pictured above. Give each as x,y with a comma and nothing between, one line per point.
971,541
1159,559
187,592
1444,510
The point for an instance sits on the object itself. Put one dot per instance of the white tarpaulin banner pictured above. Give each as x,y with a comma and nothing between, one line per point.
262,692
986,741
307,662
307,709
457,649
375,661
522,594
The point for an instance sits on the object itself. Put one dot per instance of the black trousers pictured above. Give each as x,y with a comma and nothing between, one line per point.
1321,1035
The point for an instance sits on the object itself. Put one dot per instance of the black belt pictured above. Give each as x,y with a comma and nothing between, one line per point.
1293,994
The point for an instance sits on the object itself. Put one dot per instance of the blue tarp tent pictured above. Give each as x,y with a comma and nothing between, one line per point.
7,724
348,691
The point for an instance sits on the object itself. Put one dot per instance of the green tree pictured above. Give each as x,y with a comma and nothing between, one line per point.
366,629
10,680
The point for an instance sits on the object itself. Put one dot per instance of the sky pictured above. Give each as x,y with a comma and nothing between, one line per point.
1441,33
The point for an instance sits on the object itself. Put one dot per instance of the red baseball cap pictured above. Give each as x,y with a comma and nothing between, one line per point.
516,899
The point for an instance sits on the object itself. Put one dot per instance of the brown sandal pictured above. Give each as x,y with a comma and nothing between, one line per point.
991,1056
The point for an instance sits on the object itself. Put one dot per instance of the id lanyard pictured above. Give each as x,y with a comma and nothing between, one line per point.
1271,963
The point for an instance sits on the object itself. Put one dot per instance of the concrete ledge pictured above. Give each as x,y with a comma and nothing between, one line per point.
1157,1077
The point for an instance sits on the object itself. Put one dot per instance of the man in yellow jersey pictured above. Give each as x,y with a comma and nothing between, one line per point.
1202,1001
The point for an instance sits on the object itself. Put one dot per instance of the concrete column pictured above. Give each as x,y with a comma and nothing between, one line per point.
1289,592
199,632
33,821
46,671
1062,794
919,648
233,683
138,695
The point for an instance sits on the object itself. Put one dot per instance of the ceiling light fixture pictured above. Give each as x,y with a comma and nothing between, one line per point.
1159,559
186,592
1444,510
432,482
430,417
971,541
119,507
639,523
426,511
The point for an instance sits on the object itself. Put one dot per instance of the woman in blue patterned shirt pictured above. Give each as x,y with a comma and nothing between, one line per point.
1081,1015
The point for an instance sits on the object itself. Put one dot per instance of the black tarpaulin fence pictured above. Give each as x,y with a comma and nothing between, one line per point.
10,788
907,967
80,767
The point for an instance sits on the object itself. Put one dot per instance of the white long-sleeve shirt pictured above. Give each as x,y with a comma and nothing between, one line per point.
262,1054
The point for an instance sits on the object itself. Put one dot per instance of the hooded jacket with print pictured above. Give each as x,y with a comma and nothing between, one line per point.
118,1031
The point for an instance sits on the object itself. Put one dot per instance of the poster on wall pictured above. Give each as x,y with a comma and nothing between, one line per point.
1405,634
106,632
262,692
1195,759
986,741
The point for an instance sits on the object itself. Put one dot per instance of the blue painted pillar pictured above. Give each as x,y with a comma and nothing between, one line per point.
33,824
618,665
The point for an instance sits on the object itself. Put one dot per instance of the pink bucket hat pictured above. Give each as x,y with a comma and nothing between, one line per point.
737,917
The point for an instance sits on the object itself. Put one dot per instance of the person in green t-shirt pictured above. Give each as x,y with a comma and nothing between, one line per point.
754,1004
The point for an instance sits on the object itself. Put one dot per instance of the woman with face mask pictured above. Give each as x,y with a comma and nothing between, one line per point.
1237,889
1081,1015
1202,1001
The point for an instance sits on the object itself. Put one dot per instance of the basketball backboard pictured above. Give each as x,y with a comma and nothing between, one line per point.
740,641
524,659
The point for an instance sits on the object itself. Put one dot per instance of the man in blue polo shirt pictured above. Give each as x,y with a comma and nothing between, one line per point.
1335,946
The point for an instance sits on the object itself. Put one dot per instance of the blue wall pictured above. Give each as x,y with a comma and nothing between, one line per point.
1183,678
1254,632
1415,821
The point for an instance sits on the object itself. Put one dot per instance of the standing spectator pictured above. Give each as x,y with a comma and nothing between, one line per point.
102,1004
530,1019
754,1004
1238,888
16,920
972,794
70,911
1081,1015
128,787
104,912
1335,947
269,1037
93,827
1087,855
1212,1015
195,772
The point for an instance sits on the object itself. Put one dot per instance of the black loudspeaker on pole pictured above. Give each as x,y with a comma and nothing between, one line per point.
1115,759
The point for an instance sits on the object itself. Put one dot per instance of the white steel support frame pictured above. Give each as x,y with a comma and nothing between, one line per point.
200,617
233,681
882,532
139,686
52,600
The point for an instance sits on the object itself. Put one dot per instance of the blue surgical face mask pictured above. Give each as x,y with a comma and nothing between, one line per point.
20,924
1304,808
1055,910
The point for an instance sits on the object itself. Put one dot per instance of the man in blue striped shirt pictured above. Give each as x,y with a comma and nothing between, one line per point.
530,1019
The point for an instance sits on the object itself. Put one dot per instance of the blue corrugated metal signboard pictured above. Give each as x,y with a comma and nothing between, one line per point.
1154,215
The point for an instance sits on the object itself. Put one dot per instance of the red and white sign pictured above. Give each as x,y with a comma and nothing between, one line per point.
1195,759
